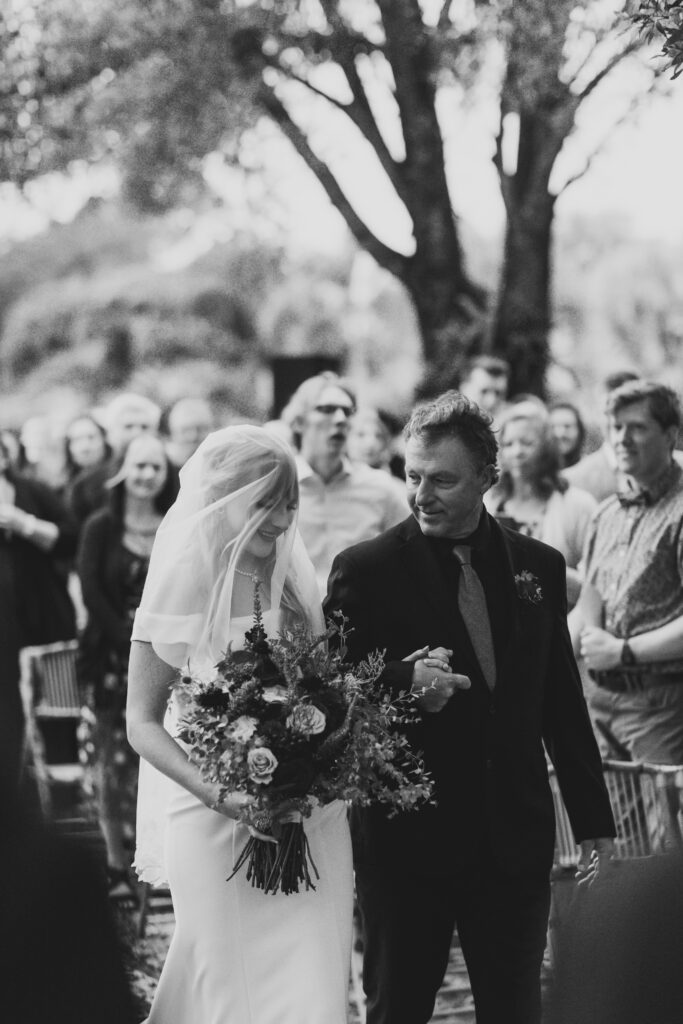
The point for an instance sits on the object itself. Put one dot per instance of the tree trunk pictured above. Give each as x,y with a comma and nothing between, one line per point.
450,316
522,319
522,316
446,301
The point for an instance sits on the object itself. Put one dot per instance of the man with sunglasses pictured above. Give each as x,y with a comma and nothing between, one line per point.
340,502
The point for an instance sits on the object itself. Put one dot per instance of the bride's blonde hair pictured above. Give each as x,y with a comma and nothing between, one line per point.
227,490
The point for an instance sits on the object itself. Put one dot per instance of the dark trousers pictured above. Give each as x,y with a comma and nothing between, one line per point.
408,924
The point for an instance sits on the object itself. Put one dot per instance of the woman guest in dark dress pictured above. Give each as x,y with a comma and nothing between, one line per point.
35,607
85,446
113,557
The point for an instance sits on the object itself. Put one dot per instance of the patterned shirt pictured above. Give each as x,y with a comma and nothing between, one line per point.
634,556
357,504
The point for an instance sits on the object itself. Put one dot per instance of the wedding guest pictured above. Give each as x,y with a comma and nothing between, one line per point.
125,417
237,956
341,502
472,618
485,382
569,431
597,471
371,440
85,449
35,607
112,565
190,420
531,494
85,444
628,623
12,446
39,457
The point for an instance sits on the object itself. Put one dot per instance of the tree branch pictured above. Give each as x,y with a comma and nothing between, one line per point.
615,59
359,112
636,102
363,117
600,36
316,90
444,19
386,257
504,179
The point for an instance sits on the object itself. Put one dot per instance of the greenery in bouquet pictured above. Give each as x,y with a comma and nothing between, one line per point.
288,723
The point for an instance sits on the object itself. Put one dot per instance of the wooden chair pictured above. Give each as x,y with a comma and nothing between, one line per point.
49,691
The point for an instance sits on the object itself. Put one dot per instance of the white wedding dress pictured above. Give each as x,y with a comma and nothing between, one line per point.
238,955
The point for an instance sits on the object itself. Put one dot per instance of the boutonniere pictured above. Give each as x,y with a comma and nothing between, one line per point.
528,587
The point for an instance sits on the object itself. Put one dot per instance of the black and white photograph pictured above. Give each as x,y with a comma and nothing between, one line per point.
341,511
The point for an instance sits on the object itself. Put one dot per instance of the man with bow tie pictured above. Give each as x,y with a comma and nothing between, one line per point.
472,618
628,623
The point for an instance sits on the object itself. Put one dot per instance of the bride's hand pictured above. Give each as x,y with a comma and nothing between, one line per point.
231,806
261,822
436,657
272,822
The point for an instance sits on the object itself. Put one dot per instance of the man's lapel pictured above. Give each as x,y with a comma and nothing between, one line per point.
508,644
441,603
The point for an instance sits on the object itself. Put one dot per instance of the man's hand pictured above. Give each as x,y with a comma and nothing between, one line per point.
435,684
600,650
595,859
12,518
439,657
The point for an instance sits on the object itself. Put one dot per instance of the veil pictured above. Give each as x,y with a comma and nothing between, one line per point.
214,531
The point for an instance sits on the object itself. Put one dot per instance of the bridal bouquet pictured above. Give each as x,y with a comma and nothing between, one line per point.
287,723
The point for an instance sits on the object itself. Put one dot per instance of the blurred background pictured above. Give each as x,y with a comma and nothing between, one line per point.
219,198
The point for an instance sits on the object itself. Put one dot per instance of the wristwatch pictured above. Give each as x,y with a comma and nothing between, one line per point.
627,655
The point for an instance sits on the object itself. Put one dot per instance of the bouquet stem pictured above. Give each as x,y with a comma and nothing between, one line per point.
282,867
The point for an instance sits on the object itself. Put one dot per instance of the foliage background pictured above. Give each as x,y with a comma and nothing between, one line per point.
190,275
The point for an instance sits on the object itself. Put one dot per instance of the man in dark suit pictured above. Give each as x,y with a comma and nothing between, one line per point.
480,858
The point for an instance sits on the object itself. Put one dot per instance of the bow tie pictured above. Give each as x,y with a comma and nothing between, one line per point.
629,499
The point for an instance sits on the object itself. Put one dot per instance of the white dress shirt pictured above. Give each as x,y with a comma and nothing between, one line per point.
357,504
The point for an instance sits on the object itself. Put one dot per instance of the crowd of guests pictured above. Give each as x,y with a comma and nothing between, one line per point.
75,541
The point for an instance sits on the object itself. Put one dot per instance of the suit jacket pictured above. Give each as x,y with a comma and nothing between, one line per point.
485,750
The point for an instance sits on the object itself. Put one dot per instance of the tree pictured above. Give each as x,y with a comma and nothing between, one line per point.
163,85
160,85
557,54
663,18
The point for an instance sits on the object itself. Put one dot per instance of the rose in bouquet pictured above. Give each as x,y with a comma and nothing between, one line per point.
287,723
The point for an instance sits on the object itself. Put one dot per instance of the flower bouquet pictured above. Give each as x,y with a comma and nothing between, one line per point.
287,723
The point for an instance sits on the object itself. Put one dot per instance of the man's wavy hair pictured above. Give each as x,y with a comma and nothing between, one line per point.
454,415
662,401
306,396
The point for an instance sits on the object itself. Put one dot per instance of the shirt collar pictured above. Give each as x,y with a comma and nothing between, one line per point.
478,540
662,484
306,471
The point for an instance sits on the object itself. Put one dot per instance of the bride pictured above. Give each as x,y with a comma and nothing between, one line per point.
238,955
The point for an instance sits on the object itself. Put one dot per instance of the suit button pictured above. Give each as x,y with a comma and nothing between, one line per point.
489,764
492,710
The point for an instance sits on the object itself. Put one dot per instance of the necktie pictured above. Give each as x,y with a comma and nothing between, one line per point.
475,615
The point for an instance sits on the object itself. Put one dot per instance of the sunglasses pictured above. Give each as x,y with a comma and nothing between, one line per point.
329,410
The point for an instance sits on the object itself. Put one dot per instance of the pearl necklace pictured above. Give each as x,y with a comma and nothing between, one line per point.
250,575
